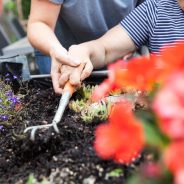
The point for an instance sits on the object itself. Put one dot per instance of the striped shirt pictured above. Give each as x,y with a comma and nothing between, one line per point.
155,23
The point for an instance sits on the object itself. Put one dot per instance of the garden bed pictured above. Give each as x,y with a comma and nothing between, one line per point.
67,157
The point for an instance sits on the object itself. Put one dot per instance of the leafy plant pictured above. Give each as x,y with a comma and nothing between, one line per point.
85,92
94,111
88,110
99,111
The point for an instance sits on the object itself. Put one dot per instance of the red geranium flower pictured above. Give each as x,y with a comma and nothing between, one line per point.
122,138
117,71
102,90
169,106
109,84
141,73
171,59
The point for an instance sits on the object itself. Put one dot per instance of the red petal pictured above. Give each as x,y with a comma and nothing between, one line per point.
106,142
174,156
122,138
102,90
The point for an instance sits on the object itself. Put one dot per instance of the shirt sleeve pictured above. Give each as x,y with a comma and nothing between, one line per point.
139,22
57,1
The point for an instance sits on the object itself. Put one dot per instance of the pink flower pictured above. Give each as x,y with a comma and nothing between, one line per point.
174,160
179,177
169,106
151,170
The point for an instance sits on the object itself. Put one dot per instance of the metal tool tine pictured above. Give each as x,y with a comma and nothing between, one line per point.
68,91
33,133
60,111
34,129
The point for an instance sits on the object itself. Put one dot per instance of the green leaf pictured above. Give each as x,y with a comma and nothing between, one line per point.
154,137
115,173
134,180
31,179
45,181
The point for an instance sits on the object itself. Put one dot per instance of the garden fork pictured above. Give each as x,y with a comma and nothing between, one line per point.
67,93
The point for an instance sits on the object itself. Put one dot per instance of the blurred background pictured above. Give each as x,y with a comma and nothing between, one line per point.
14,15
13,25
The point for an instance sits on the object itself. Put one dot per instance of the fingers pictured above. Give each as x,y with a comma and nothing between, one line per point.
67,60
75,77
75,74
88,68
62,57
63,79
55,75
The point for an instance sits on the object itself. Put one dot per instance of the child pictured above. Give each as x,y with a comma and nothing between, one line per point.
154,23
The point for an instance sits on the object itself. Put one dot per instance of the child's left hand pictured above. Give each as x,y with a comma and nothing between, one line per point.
75,75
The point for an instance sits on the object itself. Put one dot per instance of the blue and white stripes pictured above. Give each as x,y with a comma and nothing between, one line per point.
155,23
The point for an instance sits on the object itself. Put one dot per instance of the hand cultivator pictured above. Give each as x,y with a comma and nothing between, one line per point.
68,91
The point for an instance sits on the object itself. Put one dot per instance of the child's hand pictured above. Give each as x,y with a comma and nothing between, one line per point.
59,57
76,74
71,74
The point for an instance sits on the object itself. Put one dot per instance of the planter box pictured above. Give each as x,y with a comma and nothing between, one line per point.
67,157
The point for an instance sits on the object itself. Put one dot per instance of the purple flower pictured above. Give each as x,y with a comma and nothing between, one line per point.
9,94
7,79
14,77
1,100
7,75
1,127
13,100
3,117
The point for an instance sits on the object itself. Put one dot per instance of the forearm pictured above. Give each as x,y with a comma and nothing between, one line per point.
95,52
42,37
115,44
41,25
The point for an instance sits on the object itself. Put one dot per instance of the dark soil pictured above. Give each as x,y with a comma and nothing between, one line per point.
64,158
